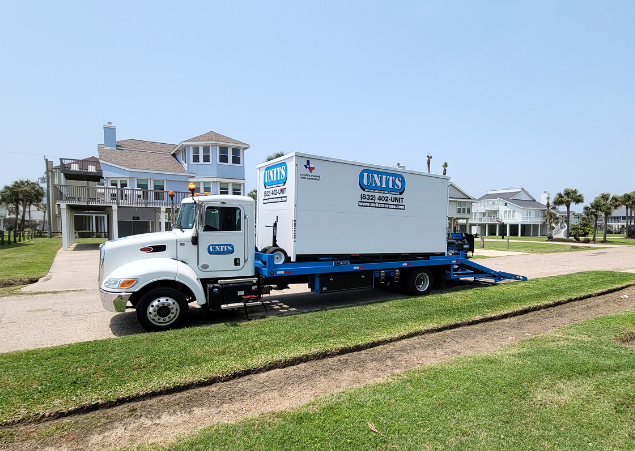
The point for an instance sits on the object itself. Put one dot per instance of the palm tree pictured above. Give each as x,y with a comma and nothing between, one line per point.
567,197
253,194
273,156
33,194
593,211
628,200
10,195
598,208
445,167
429,158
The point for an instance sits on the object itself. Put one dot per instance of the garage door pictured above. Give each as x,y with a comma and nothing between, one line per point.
127,228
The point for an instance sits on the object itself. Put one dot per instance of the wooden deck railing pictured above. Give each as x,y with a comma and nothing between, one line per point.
105,196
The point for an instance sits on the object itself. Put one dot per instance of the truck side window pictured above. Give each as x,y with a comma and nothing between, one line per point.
222,219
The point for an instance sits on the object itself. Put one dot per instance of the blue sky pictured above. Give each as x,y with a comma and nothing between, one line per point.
539,94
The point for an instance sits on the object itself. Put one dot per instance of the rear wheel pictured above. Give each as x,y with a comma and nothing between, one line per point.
162,309
279,255
419,282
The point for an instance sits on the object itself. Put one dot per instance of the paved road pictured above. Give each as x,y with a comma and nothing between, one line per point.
38,320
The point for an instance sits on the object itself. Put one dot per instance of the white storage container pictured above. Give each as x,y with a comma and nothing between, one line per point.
328,207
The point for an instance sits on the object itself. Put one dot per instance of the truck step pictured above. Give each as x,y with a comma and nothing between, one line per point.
236,305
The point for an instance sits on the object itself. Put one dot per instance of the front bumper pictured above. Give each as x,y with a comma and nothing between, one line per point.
114,302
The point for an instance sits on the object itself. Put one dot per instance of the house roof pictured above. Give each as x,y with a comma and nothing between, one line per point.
142,160
137,144
214,137
467,196
528,204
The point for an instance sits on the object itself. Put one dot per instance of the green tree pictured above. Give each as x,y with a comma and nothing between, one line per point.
628,200
10,195
273,156
594,210
567,197
445,167
253,194
582,228
32,194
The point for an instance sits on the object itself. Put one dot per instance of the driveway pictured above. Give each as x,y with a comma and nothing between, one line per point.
33,320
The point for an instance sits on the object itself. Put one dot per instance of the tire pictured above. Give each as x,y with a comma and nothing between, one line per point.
419,282
265,249
162,309
279,255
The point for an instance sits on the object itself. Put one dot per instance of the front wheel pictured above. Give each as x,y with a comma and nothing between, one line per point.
162,309
419,282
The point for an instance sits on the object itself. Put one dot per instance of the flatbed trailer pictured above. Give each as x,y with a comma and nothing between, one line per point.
454,266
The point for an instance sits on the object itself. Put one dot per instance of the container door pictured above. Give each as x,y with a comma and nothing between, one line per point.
221,242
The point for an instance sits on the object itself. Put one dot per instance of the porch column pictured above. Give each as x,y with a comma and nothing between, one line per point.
498,226
507,229
65,237
94,228
519,228
163,223
115,222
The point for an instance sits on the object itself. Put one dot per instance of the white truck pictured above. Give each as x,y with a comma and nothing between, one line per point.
334,224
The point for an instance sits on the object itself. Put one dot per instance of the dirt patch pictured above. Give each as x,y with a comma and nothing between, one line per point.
628,340
162,417
20,281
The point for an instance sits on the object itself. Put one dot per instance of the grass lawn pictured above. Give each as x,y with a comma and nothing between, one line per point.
615,240
28,260
65,377
567,390
91,240
533,248
514,238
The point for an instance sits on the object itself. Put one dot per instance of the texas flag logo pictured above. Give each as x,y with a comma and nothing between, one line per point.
309,166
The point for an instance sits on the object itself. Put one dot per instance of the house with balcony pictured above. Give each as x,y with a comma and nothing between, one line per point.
515,209
3,216
125,190
459,209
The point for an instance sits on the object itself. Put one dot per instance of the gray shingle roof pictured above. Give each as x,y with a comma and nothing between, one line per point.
152,146
214,137
142,160
503,195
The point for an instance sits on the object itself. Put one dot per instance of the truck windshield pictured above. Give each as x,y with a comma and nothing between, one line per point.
185,218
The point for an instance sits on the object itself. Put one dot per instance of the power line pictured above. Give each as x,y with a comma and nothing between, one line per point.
27,153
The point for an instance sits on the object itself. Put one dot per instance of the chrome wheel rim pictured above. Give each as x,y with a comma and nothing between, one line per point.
422,281
163,311
278,257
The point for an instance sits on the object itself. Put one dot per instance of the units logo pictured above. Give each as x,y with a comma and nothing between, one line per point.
220,249
382,182
275,175
309,166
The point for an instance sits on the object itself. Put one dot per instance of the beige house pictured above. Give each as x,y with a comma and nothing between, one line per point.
459,210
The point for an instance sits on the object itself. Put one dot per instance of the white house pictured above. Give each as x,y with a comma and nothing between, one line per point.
3,215
513,208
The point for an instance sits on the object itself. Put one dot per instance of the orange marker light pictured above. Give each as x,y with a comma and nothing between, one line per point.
127,283
192,188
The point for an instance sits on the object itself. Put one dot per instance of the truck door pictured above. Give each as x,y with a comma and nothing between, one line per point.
221,242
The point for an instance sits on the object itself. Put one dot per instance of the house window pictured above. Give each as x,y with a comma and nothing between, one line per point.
142,183
207,187
223,154
196,156
224,188
119,183
159,187
184,157
235,156
237,189
206,154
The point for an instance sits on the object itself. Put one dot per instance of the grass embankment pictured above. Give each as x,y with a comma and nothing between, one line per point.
610,239
65,377
571,389
532,248
26,262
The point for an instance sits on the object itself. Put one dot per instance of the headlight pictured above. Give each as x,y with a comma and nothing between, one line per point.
120,283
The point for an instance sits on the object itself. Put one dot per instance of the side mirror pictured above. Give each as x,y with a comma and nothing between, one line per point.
195,239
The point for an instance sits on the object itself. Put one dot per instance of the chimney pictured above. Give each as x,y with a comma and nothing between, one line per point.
543,198
110,135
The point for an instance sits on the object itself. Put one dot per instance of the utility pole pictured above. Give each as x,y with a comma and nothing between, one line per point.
49,210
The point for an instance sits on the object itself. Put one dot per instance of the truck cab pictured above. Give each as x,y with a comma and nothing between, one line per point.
211,242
